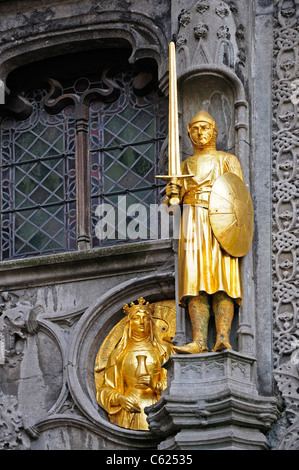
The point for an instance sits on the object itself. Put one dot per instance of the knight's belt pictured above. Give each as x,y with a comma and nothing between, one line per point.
198,199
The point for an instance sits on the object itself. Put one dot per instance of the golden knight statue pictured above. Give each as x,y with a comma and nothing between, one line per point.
216,225
209,276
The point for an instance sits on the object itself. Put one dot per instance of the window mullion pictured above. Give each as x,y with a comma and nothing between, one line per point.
83,179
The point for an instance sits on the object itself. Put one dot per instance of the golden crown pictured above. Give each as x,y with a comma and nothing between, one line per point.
142,305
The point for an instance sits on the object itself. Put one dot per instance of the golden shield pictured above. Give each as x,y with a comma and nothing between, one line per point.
231,214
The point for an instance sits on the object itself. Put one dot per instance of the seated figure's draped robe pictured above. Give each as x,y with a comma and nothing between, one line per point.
119,378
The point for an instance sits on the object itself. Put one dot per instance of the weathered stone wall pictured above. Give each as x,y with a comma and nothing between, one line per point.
285,218
50,335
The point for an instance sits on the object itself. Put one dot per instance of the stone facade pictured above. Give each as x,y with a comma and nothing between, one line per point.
285,218
239,61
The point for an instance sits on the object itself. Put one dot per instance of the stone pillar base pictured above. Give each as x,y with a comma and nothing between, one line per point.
211,402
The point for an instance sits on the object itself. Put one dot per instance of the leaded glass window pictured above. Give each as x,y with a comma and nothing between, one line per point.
39,165
38,183
126,138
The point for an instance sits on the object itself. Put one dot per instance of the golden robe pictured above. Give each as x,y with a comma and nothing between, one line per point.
203,264
119,377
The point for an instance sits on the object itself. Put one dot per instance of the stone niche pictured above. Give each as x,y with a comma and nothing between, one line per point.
214,95
49,338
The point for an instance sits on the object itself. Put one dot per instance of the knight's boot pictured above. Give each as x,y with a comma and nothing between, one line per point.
199,312
223,307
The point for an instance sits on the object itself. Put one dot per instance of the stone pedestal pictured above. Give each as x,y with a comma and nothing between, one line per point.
211,402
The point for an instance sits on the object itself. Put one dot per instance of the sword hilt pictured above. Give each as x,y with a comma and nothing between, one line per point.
174,200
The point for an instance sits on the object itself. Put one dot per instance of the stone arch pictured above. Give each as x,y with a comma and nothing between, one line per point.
86,31
85,340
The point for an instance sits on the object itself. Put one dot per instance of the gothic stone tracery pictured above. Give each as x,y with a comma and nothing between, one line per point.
285,191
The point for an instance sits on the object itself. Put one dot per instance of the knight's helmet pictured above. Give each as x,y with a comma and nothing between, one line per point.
203,116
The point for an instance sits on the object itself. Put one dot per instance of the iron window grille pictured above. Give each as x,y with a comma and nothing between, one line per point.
88,143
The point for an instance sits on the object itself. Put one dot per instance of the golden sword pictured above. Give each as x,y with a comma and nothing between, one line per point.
174,162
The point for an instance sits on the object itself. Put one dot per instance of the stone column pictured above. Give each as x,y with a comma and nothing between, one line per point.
211,402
